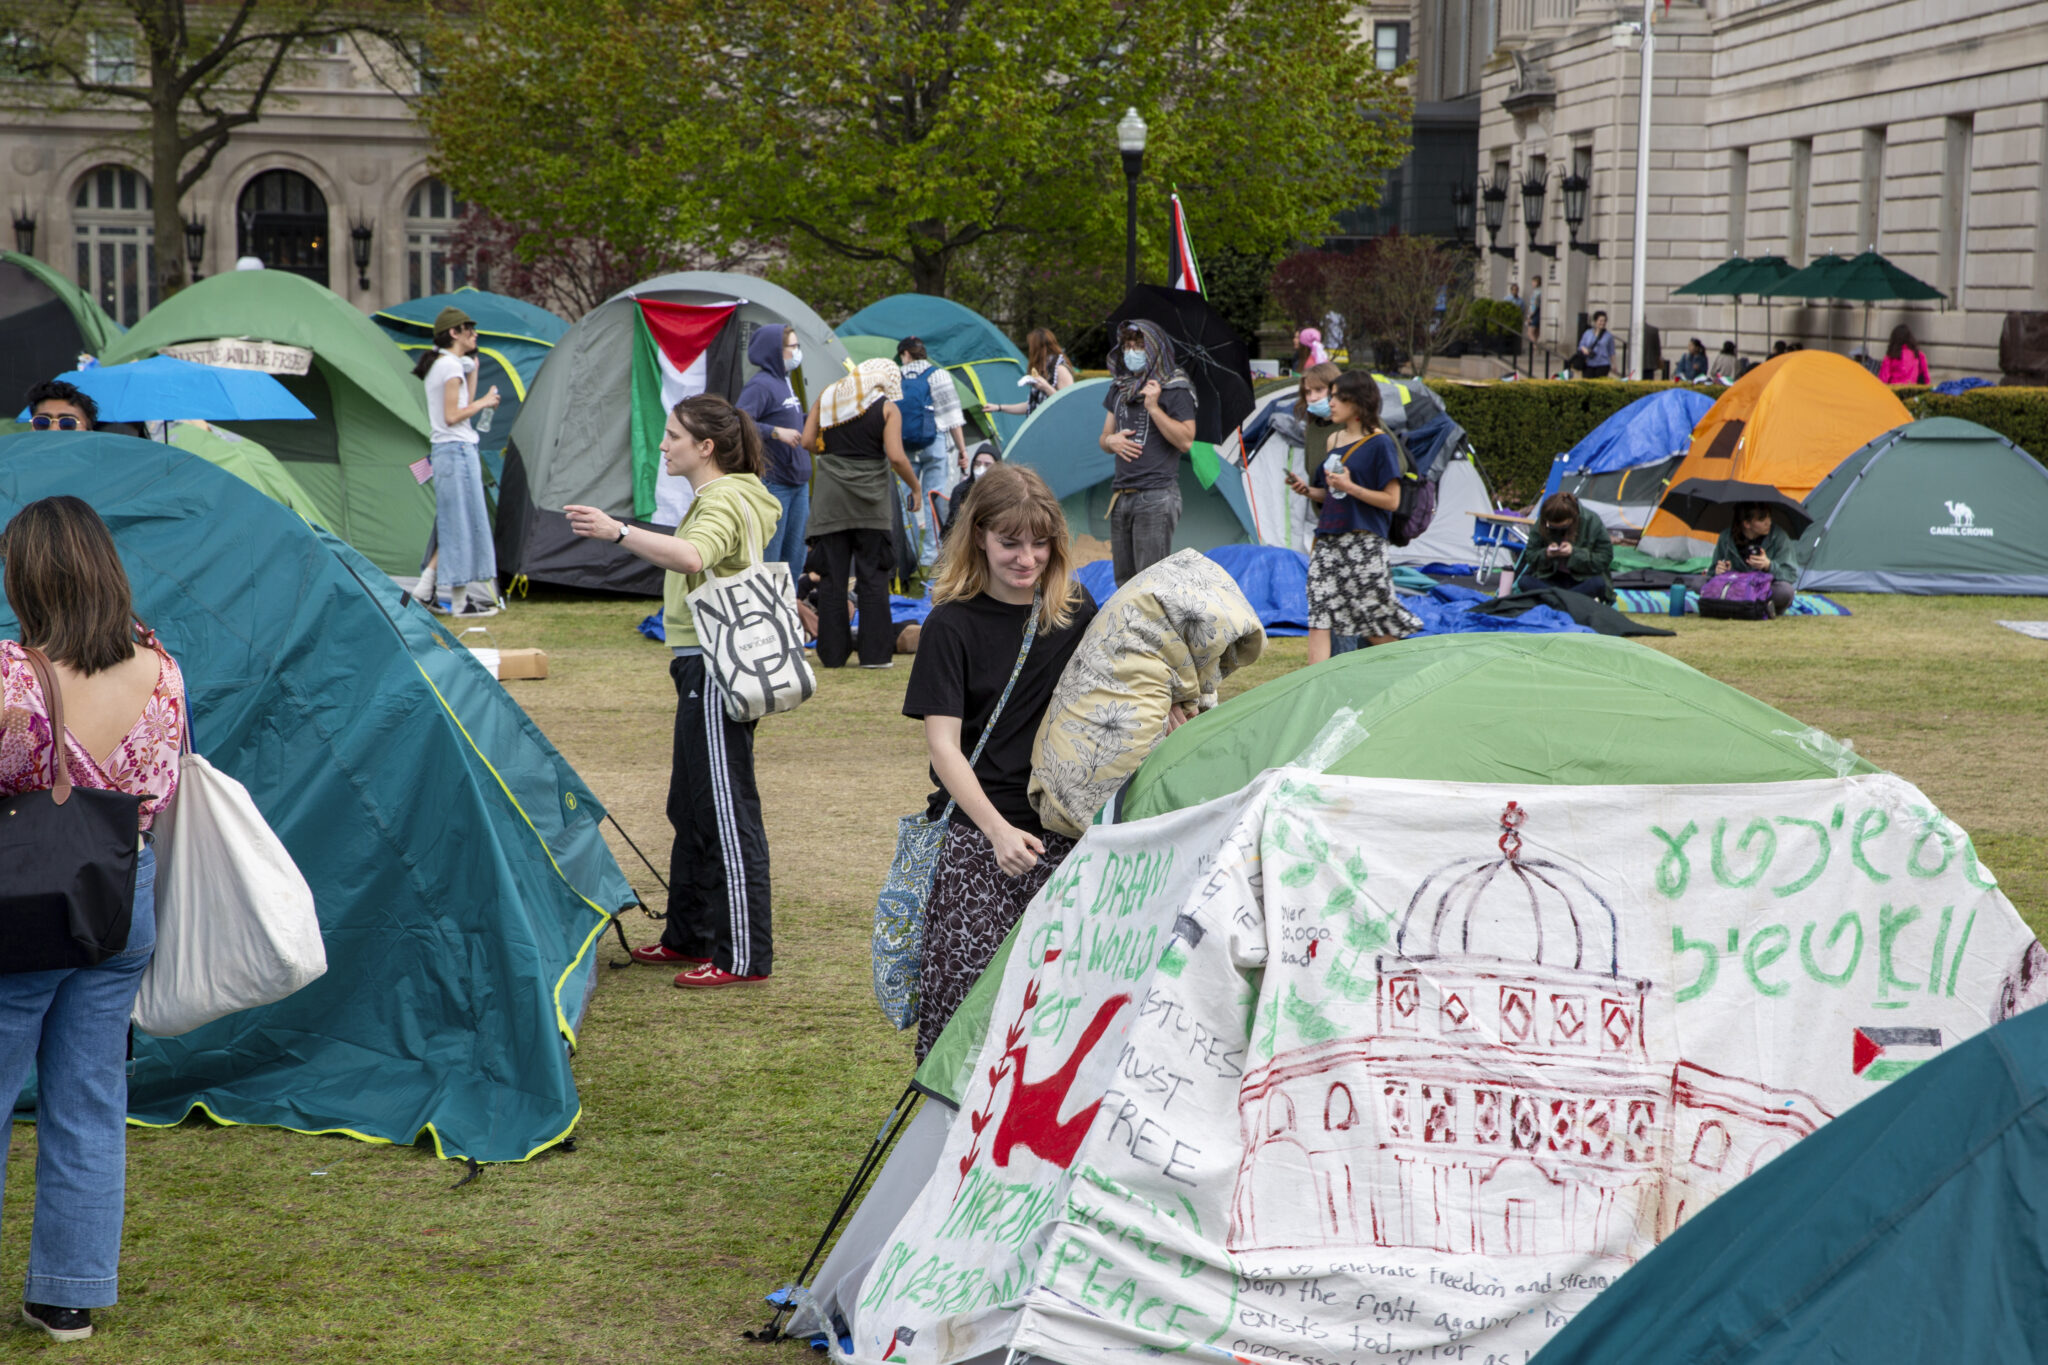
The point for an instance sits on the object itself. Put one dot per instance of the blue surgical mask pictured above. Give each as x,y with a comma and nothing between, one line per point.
1319,407
795,360
1134,361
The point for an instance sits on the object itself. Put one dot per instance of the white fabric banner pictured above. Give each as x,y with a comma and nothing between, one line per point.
1337,1070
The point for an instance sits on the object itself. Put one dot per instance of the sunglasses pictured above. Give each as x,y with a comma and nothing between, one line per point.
42,421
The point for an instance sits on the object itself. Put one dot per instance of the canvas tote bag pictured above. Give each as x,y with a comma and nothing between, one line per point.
898,939
235,923
752,640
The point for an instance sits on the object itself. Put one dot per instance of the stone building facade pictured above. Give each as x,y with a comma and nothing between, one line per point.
1794,127
342,151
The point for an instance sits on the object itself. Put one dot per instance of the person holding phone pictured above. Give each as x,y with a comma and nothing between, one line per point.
1753,543
1571,549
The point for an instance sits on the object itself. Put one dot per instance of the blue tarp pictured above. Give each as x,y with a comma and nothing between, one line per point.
1654,427
1447,610
1910,1228
1273,578
456,859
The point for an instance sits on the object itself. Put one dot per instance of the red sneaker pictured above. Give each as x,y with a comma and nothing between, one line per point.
661,955
707,976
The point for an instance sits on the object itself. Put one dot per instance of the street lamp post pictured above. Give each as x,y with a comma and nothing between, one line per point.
1534,186
1621,35
1130,140
24,231
195,245
1493,194
359,235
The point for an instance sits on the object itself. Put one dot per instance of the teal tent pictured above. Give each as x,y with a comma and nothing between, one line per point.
1060,441
513,338
456,858
985,364
1939,506
1910,1228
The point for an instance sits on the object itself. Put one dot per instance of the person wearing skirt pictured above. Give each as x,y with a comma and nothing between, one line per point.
1357,487
1004,574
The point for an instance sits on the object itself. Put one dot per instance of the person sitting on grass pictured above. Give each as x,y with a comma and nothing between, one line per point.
1755,544
1570,549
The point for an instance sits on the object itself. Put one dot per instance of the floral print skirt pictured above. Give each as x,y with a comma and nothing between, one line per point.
1351,589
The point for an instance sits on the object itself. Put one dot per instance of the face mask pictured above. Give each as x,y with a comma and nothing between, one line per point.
1134,361
1319,407
795,360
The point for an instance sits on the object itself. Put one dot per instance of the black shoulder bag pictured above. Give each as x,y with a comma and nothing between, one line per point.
67,863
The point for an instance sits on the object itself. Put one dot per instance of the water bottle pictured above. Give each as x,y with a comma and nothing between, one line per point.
1331,464
1677,599
481,423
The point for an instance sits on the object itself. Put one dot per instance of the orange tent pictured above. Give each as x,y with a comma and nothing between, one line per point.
1788,423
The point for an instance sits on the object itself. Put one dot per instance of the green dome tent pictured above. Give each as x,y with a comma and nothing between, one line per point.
1938,506
1059,440
247,461
513,338
456,859
575,440
986,365
370,414
45,322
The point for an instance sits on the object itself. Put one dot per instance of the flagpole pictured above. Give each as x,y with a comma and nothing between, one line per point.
1640,261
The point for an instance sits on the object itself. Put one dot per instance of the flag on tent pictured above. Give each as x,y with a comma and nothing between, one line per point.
669,346
1187,274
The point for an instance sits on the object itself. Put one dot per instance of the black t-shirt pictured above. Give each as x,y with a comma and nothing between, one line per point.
1158,464
964,657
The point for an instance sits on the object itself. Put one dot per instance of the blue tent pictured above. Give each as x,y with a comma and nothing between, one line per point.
513,338
1059,440
457,862
1910,1228
1622,466
985,363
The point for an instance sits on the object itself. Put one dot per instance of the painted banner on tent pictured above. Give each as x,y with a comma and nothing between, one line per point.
1343,1070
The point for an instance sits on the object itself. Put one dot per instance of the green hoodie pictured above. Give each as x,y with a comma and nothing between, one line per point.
1777,547
717,524
1592,552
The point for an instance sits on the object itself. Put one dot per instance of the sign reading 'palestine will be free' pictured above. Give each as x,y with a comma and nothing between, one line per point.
1345,1070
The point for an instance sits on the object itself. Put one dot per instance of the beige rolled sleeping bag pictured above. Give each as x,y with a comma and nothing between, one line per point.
1169,636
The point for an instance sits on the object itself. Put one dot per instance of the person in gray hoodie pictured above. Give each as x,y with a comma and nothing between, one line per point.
769,399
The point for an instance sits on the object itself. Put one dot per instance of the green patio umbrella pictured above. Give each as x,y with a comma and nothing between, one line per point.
1817,281
1870,278
1720,283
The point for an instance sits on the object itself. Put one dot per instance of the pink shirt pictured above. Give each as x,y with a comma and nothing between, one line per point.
1909,368
144,763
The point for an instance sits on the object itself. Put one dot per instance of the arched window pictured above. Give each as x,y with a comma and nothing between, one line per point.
430,217
111,220
1340,1111
281,219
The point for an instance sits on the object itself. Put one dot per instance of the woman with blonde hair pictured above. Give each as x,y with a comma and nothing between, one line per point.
1009,615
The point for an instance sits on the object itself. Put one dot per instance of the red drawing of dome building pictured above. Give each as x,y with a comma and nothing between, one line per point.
1507,1103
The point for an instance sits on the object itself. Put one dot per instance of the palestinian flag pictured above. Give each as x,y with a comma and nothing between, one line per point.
1186,273
1885,1054
669,345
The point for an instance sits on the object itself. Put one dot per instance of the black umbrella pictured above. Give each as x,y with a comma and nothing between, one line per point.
1206,346
1709,505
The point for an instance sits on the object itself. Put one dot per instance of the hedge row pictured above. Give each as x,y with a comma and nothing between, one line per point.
1519,427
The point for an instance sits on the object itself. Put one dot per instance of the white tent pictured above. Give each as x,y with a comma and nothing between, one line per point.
1364,1069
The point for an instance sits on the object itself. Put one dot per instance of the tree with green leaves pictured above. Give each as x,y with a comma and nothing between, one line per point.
191,72
922,138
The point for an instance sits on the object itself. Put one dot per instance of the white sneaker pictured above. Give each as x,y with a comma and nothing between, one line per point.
471,609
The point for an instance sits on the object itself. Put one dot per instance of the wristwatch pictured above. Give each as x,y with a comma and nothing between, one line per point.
620,538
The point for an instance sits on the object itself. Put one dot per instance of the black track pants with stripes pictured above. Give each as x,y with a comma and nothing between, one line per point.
718,869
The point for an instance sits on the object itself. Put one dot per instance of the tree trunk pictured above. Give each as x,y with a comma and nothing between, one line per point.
929,264
165,162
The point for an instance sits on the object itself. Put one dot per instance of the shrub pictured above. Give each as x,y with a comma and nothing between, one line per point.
2018,414
1519,427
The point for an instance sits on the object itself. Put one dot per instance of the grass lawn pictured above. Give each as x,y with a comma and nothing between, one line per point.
718,1130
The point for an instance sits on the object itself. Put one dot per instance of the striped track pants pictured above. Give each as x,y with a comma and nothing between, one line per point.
718,901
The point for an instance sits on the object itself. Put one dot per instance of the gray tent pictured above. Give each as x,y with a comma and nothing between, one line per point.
572,442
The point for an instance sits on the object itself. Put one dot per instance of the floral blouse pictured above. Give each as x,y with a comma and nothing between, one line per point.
144,764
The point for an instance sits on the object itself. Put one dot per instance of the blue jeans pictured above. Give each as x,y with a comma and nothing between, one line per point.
787,544
931,463
72,1027
461,519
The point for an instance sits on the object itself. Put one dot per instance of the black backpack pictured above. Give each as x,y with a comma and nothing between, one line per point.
1418,499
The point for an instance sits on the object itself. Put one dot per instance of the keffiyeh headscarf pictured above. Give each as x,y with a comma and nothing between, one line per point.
1160,364
850,397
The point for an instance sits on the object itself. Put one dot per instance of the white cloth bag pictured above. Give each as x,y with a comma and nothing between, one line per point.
752,640
235,924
